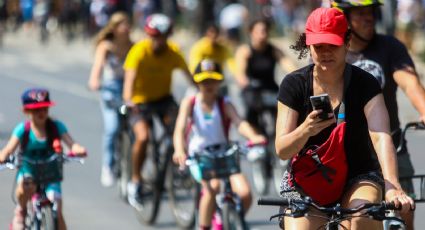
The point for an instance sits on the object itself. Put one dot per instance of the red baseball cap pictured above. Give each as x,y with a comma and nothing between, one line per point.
326,25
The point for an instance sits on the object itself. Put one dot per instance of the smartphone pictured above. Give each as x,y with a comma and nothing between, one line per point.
322,102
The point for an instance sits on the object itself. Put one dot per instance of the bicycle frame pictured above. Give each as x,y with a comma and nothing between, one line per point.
38,202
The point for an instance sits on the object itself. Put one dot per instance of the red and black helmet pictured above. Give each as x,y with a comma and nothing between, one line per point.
158,24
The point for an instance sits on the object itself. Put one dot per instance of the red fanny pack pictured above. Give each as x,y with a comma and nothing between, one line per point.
321,172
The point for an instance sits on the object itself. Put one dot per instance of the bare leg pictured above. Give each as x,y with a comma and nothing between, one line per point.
241,187
408,218
360,193
207,202
304,223
141,132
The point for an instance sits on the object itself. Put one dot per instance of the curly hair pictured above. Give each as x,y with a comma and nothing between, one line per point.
301,47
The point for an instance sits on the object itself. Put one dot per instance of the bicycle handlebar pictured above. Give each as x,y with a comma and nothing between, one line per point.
328,210
12,163
411,125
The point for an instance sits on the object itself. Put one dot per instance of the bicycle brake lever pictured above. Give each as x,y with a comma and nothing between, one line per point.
378,213
277,216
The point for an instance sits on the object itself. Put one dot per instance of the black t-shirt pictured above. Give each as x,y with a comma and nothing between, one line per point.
261,66
382,57
295,91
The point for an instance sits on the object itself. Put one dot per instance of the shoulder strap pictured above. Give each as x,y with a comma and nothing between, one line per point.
224,118
26,136
53,137
347,79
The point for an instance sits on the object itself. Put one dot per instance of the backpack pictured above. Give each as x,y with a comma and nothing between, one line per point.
320,172
45,170
225,120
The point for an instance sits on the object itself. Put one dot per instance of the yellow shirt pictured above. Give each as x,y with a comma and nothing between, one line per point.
205,49
153,71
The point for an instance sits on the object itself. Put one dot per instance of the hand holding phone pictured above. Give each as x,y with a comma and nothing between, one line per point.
323,103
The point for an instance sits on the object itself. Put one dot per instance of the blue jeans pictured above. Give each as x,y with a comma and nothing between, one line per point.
111,99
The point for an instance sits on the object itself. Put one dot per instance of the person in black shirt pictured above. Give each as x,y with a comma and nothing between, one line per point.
255,68
367,122
387,59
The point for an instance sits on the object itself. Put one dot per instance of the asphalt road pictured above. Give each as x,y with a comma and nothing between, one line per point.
64,69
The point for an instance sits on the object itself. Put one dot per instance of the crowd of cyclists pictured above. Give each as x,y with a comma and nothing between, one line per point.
139,74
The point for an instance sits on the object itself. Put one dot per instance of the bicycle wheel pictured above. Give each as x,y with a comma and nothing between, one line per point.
232,220
183,194
31,220
124,163
147,210
259,177
48,219
279,167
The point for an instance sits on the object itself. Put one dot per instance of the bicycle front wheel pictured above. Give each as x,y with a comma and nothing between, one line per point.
48,219
260,177
279,167
147,210
183,193
232,220
124,149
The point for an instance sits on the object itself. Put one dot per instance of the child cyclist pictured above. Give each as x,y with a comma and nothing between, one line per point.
207,128
36,139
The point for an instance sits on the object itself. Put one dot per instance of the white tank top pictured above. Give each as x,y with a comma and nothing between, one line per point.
207,128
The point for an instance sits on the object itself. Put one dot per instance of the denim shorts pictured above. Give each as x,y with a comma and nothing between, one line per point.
53,189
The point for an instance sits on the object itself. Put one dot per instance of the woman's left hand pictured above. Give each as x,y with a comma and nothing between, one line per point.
400,198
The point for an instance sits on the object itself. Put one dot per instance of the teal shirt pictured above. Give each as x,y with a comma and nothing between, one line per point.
33,142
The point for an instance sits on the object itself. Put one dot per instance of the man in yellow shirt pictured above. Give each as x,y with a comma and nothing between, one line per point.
209,47
147,89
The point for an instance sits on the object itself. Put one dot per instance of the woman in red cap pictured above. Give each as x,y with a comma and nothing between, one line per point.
356,100
36,139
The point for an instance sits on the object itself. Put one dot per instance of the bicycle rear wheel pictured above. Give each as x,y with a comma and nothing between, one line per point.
232,220
147,210
183,193
124,163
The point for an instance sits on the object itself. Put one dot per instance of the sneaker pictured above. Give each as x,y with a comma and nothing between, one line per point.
18,222
107,177
134,197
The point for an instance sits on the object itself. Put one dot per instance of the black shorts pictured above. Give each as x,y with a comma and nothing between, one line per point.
165,109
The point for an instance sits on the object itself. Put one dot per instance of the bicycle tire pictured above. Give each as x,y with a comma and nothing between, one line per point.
182,192
124,145
151,192
279,167
48,219
31,220
260,177
232,220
